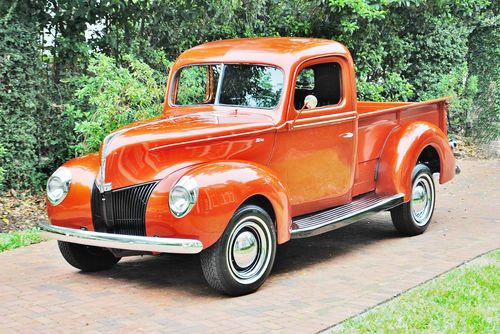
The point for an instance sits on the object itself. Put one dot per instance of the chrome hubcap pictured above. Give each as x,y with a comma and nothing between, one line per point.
245,249
422,199
248,251
419,198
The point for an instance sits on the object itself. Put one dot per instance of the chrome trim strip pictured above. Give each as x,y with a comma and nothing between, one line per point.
101,181
120,241
332,219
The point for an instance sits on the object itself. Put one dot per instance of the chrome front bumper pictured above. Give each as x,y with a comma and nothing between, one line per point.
120,241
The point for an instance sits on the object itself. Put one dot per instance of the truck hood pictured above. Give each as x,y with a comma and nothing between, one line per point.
150,150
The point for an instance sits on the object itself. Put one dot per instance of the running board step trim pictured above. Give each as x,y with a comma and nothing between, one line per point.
340,216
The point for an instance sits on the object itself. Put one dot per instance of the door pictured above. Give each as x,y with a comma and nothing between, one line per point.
315,151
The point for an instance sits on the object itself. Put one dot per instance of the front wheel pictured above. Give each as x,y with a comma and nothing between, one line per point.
87,258
413,218
240,261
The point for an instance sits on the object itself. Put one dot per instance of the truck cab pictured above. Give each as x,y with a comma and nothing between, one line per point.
261,140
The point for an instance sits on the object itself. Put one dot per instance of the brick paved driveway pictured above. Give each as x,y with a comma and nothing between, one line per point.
315,282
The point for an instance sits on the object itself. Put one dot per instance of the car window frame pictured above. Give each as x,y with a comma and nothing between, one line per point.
173,90
323,110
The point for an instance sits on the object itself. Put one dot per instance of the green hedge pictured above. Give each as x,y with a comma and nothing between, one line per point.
484,60
59,99
20,104
2,170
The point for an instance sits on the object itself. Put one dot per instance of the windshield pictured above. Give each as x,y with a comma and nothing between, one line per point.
244,85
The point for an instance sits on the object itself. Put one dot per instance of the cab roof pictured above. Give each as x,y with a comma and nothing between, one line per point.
279,51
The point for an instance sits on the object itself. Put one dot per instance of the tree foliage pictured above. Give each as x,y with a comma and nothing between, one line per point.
484,60
2,170
87,67
112,95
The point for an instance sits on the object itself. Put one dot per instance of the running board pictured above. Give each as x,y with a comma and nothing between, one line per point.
331,219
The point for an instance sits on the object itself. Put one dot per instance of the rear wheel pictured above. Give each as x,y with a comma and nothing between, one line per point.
413,217
240,261
87,258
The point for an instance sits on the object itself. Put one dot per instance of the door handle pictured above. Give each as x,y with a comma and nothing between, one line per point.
347,135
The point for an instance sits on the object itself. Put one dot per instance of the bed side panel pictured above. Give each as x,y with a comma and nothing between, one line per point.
376,121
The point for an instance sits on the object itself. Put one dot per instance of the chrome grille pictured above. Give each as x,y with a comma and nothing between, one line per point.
121,211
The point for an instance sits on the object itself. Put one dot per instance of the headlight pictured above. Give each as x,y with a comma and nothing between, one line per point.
183,196
58,185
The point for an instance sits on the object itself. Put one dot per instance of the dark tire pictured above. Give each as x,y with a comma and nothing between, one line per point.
240,261
87,258
413,218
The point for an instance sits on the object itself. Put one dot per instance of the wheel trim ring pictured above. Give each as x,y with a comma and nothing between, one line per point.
422,217
258,267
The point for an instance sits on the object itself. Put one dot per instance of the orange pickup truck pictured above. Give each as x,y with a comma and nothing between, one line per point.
261,140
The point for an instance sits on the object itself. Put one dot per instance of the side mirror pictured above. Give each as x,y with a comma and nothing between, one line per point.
310,102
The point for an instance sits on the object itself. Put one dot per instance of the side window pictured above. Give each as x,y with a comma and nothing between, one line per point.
322,81
305,79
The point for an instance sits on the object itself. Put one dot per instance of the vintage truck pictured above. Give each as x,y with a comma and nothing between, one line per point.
261,140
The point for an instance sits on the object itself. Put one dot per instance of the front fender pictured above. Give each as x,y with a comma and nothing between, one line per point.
400,154
223,187
74,211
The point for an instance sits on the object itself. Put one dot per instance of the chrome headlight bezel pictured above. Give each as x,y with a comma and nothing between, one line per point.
58,185
186,189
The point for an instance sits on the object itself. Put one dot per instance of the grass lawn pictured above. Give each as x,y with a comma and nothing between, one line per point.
464,300
17,239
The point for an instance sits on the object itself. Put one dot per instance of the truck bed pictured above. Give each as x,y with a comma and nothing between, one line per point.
377,120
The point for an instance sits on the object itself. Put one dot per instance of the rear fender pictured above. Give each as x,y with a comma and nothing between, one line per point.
401,151
223,187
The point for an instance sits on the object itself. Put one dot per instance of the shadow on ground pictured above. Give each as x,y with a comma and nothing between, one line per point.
184,271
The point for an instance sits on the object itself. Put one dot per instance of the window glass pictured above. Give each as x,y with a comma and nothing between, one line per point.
321,80
245,85
197,84
305,79
251,86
